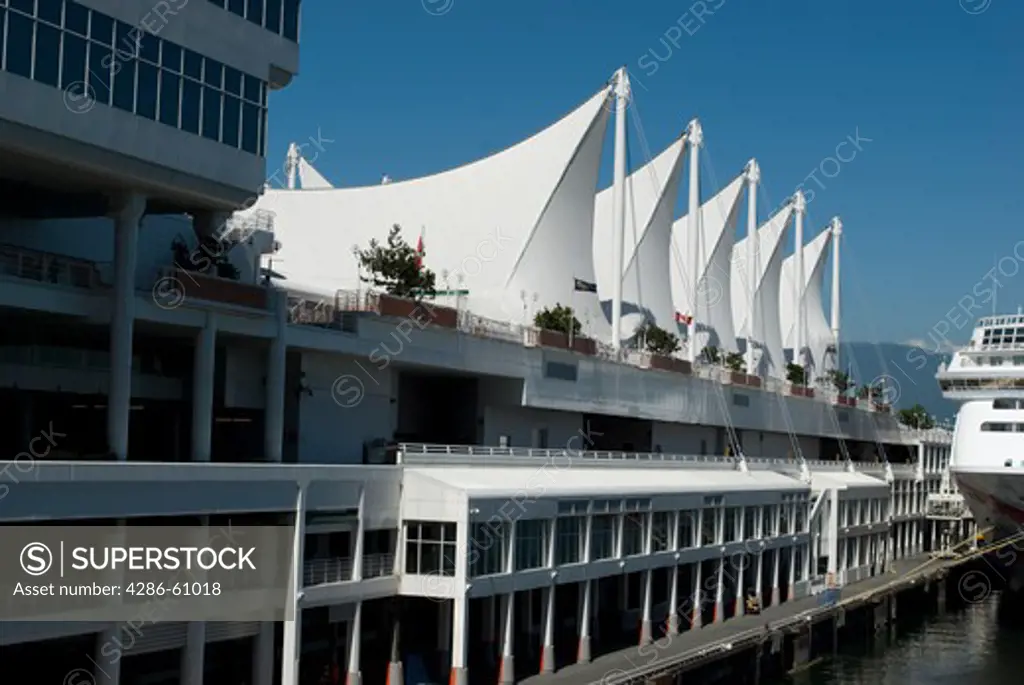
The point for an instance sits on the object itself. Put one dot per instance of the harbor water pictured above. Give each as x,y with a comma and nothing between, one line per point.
978,643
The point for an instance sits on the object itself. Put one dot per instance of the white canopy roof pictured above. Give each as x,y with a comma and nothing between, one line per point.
711,305
767,270
497,481
818,334
844,480
310,178
651,193
508,228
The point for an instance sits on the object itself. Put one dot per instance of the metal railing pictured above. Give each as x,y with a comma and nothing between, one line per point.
46,267
340,570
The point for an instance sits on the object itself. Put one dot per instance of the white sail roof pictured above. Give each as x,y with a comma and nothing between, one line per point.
651,193
711,305
310,178
509,228
767,270
818,334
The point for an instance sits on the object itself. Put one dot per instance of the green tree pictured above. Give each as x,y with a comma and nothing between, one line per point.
397,267
916,417
657,340
796,374
711,355
559,319
734,362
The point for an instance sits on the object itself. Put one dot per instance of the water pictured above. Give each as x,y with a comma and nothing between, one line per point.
977,644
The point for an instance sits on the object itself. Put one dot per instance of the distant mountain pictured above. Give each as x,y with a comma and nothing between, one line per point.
909,373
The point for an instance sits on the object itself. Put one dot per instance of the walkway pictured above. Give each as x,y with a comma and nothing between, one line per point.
611,667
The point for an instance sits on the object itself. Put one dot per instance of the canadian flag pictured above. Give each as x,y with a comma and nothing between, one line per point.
684,319
419,252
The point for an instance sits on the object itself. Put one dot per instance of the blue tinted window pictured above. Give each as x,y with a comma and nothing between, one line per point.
76,18
73,61
124,85
291,20
273,21
171,57
193,65
126,41
169,98
190,99
149,47
47,55
255,12
26,6
250,128
49,11
100,61
211,113
214,73
145,98
237,7
19,45
102,29
232,111
252,89
232,81
263,133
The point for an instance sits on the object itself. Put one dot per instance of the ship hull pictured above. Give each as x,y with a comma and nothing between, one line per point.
996,498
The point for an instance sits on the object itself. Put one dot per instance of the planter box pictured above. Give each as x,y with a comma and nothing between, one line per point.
421,312
737,378
801,391
670,364
884,408
214,289
752,381
584,346
848,401
581,345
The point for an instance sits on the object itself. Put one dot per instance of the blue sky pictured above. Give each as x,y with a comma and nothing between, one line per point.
929,204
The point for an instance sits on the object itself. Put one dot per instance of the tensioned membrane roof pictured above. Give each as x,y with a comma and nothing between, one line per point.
583,481
818,333
843,480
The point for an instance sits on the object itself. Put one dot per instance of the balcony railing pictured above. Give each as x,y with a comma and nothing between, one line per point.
46,267
340,570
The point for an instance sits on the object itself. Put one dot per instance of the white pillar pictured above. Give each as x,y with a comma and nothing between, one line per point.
619,201
547,652
753,178
837,231
460,619
800,207
741,583
203,364
355,639
274,403
757,580
194,653
292,164
507,674
263,655
127,216
673,600
583,652
646,630
698,598
719,591
792,572
775,576
695,137
292,641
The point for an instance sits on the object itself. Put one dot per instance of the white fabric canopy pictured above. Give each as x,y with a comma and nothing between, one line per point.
818,333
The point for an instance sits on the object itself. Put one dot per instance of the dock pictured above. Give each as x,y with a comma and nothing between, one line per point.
674,654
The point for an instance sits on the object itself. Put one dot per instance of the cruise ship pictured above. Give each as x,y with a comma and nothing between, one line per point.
987,465
470,498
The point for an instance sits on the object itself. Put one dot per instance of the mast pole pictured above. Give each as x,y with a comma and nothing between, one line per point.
695,136
753,178
619,199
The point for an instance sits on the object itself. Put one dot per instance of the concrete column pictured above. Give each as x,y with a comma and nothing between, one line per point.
275,390
292,638
646,635
741,583
583,651
757,580
107,671
719,591
673,601
127,214
263,655
698,599
355,639
792,571
460,619
547,652
204,360
445,618
507,673
396,673
194,652
775,577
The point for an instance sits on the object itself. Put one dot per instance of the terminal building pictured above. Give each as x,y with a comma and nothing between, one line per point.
474,499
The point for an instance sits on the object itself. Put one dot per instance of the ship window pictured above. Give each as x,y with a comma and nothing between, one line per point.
1006,404
999,427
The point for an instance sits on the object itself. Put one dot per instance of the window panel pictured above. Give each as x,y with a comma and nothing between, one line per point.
19,45
72,61
252,91
170,57
237,7
193,65
213,75
26,6
232,112
191,96
250,128
254,12
76,18
49,11
100,59
211,113
146,98
124,85
149,47
273,18
290,28
126,41
47,55
169,98
101,29
263,133
232,81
